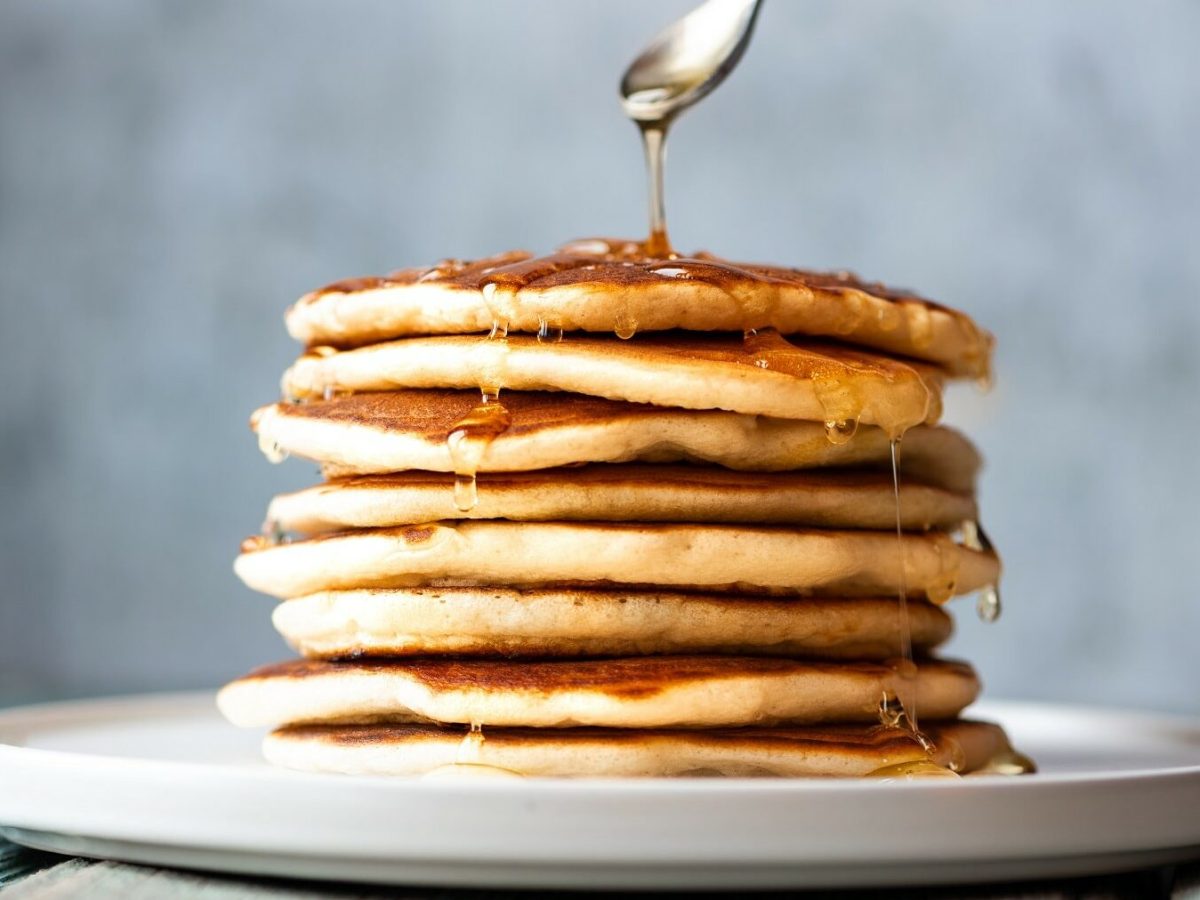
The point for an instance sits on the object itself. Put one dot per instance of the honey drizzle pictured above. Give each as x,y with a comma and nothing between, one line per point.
468,441
905,713
654,143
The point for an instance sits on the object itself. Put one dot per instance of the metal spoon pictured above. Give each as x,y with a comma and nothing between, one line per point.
687,60
681,66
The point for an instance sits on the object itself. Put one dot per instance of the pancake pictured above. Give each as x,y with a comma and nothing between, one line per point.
646,692
724,557
626,493
762,374
815,751
493,621
610,287
403,430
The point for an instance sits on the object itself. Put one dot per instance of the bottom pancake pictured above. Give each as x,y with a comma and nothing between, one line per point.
645,692
496,621
845,751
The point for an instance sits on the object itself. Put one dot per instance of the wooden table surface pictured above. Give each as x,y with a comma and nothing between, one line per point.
33,875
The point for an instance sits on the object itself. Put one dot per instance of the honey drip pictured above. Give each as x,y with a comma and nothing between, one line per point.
654,142
271,450
499,319
904,714
840,431
547,333
944,584
987,605
906,653
274,533
468,441
841,404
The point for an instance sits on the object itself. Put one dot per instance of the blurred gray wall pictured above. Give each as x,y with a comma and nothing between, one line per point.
173,174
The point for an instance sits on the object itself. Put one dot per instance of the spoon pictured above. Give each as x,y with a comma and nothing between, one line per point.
681,66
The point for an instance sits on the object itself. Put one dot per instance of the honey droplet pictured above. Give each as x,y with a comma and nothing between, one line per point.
987,604
274,533
468,441
466,492
839,431
547,333
943,585
625,327
271,450
915,768
840,401
499,320
891,714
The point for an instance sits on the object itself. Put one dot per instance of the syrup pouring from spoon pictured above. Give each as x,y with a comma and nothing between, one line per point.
680,67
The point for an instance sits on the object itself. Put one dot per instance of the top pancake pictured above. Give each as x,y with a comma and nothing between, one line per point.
759,374
611,286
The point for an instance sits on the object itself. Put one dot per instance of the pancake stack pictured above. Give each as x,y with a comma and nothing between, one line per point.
598,513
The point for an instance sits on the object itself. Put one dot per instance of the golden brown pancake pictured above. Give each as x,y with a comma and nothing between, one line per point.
683,557
813,751
644,692
760,374
609,286
495,621
845,498
404,430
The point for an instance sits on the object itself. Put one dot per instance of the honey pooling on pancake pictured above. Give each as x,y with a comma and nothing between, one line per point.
598,280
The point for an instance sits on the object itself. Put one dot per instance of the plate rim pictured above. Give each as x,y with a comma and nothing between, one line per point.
175,704
784,802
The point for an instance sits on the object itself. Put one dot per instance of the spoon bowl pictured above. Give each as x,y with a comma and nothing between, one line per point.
688,59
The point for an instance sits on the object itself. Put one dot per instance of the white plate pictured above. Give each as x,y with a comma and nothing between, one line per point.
163,780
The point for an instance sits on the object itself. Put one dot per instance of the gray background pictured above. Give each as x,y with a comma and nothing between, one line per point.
173,174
